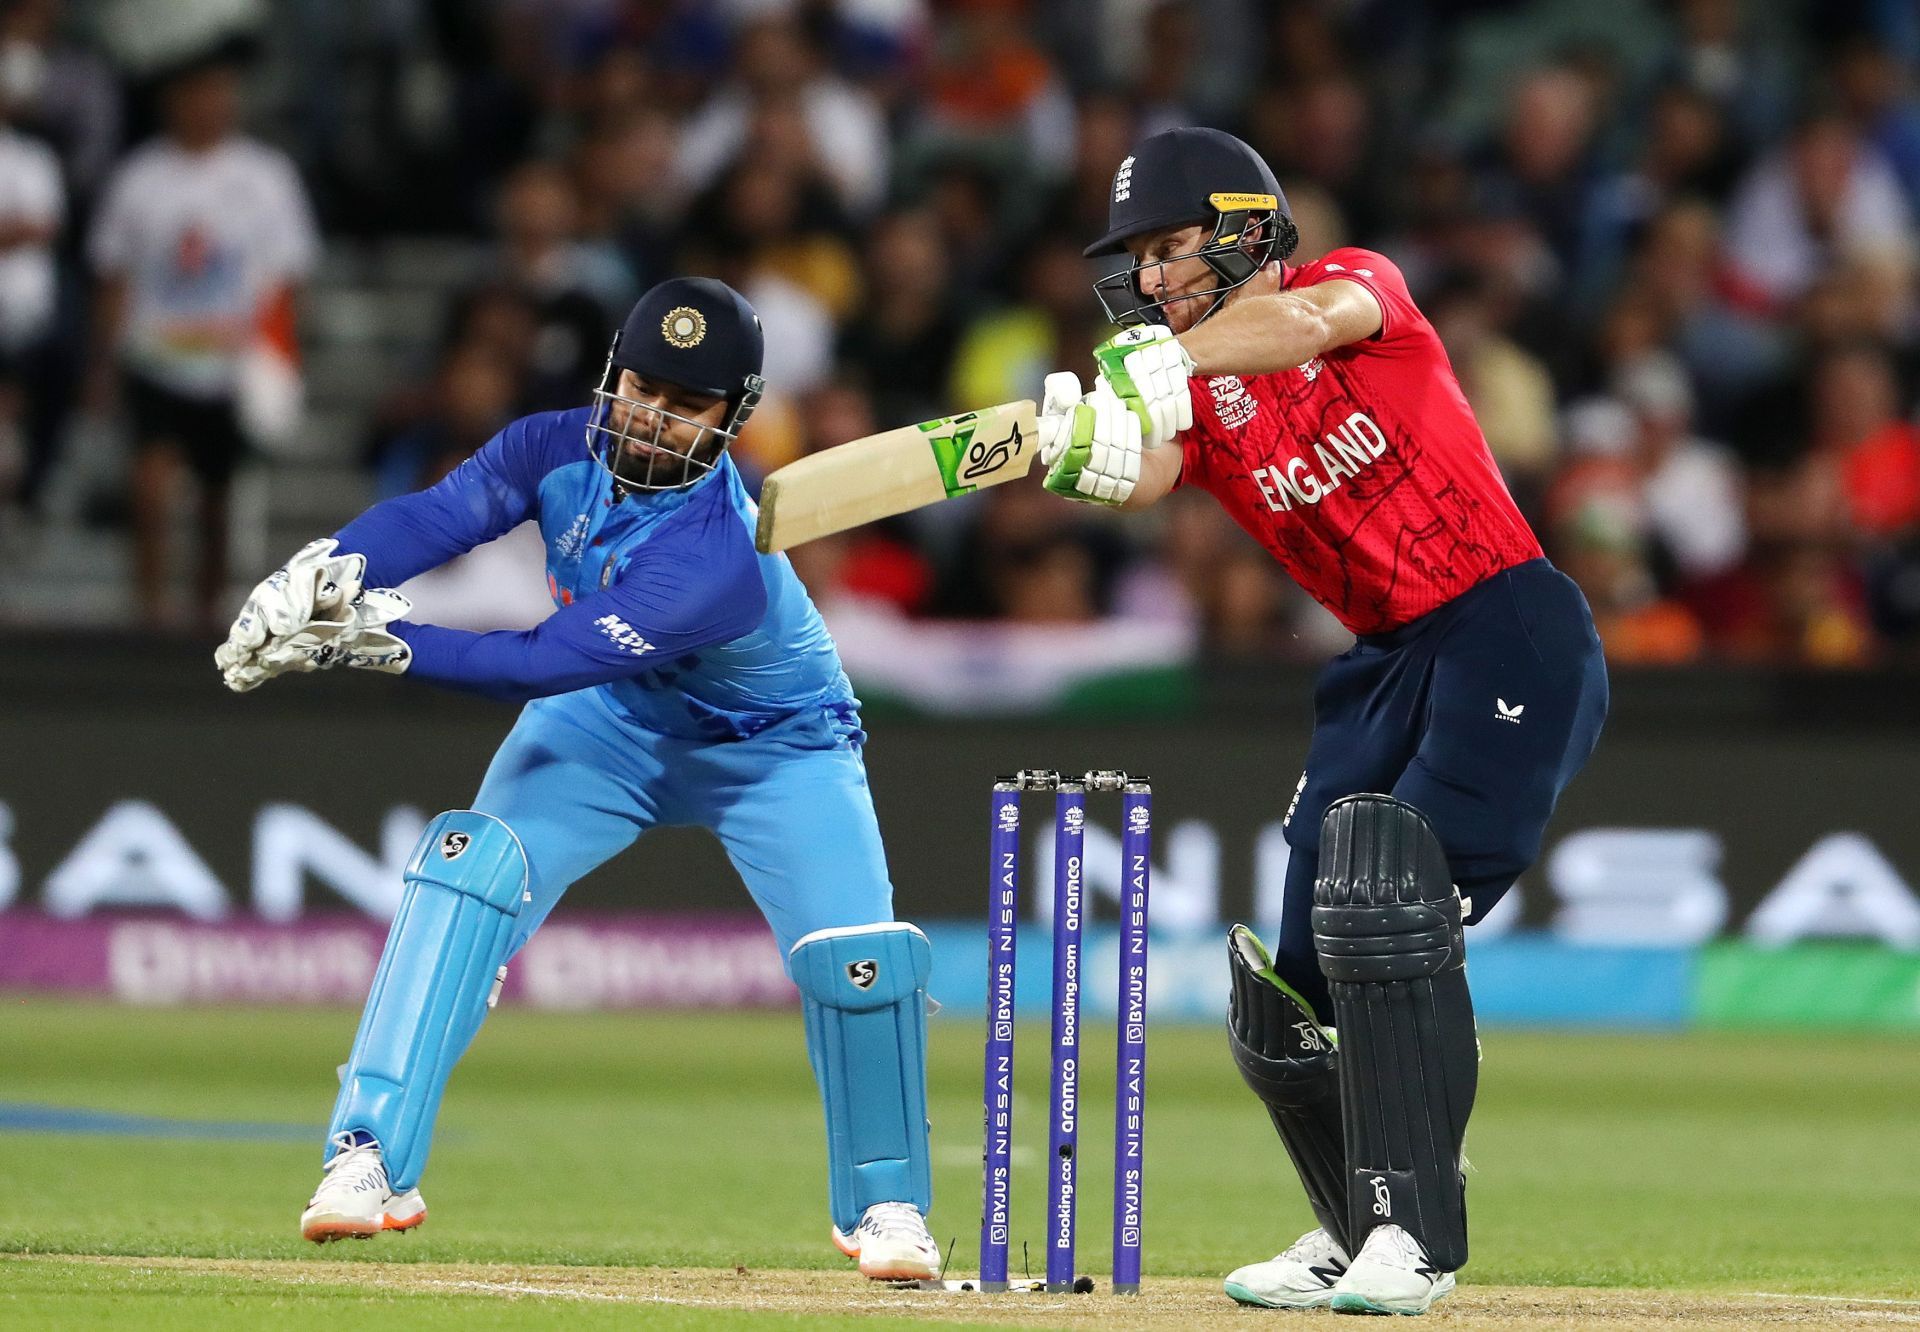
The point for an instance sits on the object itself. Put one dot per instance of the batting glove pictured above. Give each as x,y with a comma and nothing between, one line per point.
1093,455
1147,369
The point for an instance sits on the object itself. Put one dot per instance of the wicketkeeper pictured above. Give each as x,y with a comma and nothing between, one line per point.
683,680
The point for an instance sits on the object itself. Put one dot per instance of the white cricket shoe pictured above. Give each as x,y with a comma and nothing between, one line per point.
1391,1275
354,1199
1301,1278
892,1244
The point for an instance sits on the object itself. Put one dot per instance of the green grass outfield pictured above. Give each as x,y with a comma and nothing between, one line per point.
1725,1163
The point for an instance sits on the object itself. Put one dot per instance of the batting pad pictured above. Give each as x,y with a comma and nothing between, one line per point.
1387,927
1288,1060
465,886
864,991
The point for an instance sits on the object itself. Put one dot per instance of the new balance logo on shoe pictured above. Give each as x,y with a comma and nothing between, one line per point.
1508,714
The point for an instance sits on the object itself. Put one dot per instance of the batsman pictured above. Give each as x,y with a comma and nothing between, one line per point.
1316,404
682,680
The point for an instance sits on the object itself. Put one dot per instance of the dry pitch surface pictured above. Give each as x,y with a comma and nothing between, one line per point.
1170,1305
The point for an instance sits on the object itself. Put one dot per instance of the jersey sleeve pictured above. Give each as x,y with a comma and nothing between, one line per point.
1193,460
674,597
1399,316
490,493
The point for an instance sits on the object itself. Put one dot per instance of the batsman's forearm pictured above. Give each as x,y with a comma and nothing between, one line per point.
1259,336
1159,474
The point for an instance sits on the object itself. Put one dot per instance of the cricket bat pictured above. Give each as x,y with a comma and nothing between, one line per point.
876,477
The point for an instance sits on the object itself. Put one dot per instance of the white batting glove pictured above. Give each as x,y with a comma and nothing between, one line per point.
314,587
360,641
1147,368
1057,401
1096,457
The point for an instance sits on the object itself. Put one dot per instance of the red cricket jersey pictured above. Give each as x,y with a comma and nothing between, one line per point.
1362,471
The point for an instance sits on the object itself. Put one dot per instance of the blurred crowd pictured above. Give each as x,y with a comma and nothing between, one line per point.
1670,245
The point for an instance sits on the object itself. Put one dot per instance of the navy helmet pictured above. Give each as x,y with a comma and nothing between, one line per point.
1186,177
694,334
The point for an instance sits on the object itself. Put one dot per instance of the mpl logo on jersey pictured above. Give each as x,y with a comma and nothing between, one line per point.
1348,451
623,635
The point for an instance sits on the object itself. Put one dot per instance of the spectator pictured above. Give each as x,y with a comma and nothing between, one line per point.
1005,355
1878,95
474,396
1599,537
1511,392
1859,478
992,94
202,241
61,92
623,176
1797,603
32,205
1695,494
1699,305
1684,155
1729,50
1320,128
774,62
580,290
1542,169
904,337
1805,206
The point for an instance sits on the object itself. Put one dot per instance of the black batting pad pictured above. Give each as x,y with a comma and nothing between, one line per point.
1288,1059
1387,926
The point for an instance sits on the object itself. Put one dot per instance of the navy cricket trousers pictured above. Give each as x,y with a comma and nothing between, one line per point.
1478,714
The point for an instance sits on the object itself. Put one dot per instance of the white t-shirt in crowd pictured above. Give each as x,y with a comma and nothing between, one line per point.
205,240
31,193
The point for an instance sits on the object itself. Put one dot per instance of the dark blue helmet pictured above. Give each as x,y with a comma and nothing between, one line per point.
1188,176
694,334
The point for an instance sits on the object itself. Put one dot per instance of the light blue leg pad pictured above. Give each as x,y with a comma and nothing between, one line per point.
864,990
465,886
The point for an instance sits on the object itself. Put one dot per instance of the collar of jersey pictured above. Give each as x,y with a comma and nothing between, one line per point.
657,504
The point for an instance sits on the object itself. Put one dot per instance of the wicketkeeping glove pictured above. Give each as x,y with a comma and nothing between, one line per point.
311,590
360,640
1091,445
1147,368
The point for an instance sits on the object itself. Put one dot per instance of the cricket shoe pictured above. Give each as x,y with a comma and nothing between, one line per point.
892,1244
1301,1278
1390,1275
354,1200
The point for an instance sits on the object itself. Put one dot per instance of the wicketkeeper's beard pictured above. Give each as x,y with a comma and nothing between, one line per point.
650,447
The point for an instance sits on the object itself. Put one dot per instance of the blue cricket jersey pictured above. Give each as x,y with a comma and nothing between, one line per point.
662,598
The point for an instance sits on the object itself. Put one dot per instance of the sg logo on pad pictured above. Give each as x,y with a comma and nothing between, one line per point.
863,973
454,845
